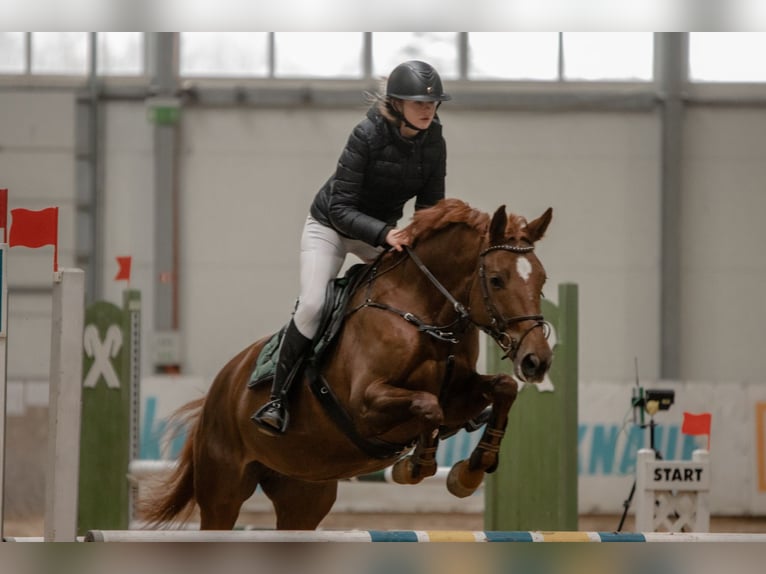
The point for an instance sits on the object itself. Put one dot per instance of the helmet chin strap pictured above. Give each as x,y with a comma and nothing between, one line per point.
407,123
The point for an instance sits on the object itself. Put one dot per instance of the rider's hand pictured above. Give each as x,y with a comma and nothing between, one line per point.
397,239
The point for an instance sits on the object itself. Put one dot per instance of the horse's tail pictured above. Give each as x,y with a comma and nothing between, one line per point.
171,500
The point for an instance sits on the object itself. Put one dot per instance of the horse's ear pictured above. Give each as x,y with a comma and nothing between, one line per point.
536,228
497,227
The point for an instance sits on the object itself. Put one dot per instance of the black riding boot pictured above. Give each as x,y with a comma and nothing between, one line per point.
273,416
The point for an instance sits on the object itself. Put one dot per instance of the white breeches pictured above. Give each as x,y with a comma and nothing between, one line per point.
323,251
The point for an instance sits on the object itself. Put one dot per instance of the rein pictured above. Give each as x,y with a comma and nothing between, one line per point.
498,325
443,332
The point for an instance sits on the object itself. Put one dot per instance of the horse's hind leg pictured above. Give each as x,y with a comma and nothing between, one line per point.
299,505
221,489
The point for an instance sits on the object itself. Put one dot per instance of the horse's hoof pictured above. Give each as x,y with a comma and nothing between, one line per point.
460,481
402,471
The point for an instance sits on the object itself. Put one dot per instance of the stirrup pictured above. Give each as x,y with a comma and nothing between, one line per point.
272,417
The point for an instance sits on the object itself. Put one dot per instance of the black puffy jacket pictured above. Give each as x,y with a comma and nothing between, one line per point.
378,172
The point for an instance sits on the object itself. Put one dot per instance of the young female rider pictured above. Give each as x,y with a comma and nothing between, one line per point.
395,153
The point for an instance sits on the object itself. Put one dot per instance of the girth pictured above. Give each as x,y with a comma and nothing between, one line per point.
373,447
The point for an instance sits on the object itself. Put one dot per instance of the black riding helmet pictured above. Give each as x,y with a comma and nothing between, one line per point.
416,80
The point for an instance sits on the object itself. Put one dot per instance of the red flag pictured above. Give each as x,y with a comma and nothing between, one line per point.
35,229
4,213
123,274
697,424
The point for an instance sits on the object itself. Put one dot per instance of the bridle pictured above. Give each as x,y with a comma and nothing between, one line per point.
497,329
498,323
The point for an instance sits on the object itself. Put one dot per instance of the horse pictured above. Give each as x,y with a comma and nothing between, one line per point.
399,375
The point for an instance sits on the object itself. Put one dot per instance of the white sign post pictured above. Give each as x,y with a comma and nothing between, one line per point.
672,495
64,407
3,371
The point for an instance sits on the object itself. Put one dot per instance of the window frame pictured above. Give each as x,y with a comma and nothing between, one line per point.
694,90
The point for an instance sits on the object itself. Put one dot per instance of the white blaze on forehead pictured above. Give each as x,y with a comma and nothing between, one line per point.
524,268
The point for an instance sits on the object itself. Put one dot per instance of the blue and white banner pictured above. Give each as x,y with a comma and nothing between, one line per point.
608,443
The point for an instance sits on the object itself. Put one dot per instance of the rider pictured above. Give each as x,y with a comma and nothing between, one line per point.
395,153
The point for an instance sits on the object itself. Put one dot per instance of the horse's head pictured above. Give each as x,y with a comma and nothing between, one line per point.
506,298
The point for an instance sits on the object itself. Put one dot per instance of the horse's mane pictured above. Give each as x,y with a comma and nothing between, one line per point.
449,211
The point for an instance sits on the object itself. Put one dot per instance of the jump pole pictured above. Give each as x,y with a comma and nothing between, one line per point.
411,536
64,406
141,470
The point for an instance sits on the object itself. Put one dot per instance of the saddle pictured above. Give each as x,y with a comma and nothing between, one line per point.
337,295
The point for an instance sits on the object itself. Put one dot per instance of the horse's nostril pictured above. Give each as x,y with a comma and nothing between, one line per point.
532,367
529,364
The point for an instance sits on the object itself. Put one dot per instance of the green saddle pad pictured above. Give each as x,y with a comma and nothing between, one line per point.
267,359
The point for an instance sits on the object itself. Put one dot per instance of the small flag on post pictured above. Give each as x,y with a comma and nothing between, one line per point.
697,425
4,213
36,229
123,274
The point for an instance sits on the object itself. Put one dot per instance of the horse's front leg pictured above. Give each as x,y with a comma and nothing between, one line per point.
466,476
387,406
420,464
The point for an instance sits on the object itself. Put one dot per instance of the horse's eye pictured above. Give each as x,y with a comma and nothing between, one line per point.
496,282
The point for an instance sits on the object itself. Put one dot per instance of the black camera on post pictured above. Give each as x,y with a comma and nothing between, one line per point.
651,401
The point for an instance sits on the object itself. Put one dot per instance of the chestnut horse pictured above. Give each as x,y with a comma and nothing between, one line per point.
401,371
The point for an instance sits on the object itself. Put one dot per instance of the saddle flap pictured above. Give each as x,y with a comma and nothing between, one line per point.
337,295
266,363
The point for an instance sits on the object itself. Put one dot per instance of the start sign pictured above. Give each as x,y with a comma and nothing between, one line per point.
669,474
679,475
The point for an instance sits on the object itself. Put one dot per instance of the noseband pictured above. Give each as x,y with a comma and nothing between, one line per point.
497,329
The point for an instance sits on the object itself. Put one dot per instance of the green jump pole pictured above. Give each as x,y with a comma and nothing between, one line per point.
110,345
535,484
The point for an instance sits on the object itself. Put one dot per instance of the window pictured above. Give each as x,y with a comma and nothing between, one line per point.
318,54
60,53
120,53
219,54
11,52
513,55
503,56
440,49
727,56
608,55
